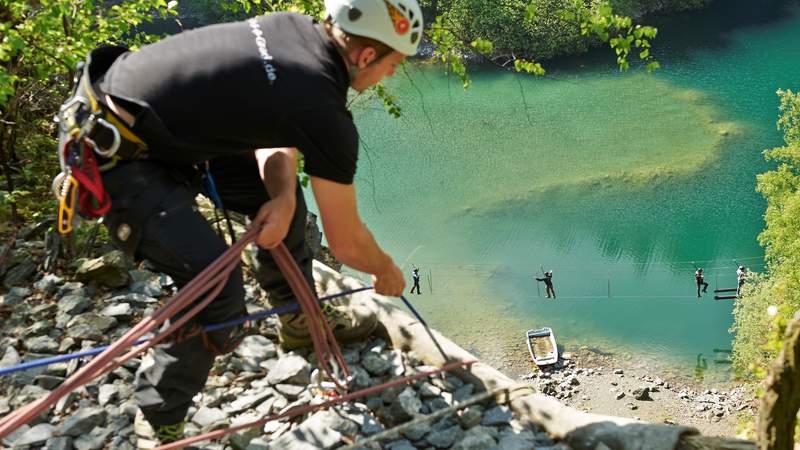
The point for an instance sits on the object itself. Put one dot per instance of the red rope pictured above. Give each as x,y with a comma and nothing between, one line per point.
216,272
299,410
211,281
325,345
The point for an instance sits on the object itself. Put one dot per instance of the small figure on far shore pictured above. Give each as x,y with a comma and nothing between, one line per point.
698,277
548,282
741,274
415,278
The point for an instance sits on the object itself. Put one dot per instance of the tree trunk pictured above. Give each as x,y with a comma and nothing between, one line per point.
779,406
4,132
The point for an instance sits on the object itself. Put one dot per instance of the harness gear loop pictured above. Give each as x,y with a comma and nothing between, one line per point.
88,130
66,203
93,200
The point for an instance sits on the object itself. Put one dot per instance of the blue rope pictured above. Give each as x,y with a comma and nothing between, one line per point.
231,323
211,189
413,311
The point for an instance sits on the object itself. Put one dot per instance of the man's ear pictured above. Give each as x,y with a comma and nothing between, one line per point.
365,56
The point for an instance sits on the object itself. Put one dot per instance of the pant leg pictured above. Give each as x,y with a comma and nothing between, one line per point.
177,240
242,190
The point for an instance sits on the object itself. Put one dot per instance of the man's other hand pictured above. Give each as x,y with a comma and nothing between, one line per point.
277,214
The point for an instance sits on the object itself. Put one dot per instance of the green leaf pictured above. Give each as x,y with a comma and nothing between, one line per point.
644,54
530,12
652,66
483,46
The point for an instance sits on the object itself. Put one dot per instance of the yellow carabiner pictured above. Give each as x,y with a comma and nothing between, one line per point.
66,205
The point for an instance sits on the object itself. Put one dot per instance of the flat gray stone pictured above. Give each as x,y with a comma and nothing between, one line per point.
514,442
245,402
314,433
206,416
464,392
471,417
256,348
96,440
117,310
291,369
14,435
290,390
375,363
41,344
90,326
82,421
404,407
476,439
28,394
36,435
19,274
402,444
10,357
48,382
72,288
14,296
107,393
137,299
499,415
150,288
72,304
59,443
417,432
445,438
109,270
48,284
142,275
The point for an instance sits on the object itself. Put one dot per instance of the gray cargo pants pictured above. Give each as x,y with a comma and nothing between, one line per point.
154,216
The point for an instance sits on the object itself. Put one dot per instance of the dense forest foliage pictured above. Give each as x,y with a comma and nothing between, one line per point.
772,298
551,31
42,42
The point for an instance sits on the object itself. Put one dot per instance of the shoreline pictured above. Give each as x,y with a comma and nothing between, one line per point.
603,383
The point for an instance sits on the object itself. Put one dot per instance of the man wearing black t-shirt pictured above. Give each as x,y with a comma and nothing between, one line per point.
237,102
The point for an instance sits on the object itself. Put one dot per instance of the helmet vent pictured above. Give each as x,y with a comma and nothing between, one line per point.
416,24
354,14
402,6
414,37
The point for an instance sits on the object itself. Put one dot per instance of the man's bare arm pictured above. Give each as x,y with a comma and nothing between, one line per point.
277,167
350,240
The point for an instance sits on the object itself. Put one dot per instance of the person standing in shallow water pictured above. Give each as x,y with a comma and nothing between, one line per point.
415,278
698,277
548,282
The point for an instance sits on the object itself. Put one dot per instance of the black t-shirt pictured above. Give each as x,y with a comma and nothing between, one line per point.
271,81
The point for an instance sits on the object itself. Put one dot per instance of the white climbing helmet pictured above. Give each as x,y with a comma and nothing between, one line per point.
396,23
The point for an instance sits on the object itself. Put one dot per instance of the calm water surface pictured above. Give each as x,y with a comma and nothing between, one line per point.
616,182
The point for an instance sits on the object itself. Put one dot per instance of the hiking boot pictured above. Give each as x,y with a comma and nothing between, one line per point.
149,437
348,323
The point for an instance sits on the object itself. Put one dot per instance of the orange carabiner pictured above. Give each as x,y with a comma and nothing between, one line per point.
66,205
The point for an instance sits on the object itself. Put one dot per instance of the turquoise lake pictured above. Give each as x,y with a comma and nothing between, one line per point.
617,182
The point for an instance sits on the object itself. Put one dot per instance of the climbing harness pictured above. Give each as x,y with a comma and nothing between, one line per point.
92,139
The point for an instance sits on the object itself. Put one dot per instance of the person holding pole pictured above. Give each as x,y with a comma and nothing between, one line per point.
548,282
